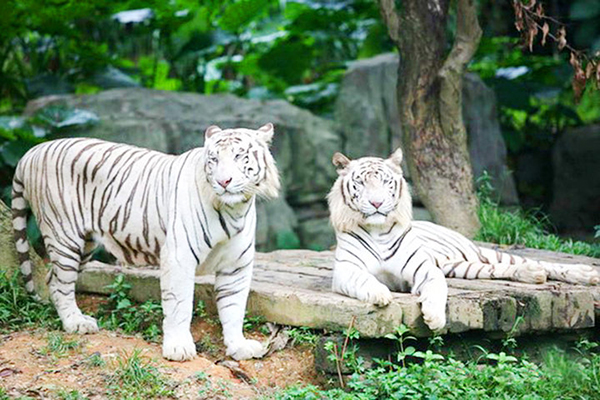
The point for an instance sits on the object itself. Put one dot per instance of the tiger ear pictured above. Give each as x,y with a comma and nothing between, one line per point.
211,130
340,161
266,132
396,157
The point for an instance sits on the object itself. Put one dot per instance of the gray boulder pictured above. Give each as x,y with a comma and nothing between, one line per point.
576,163
367,111
174,122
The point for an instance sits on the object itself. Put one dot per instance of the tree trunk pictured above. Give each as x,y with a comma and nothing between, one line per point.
430,102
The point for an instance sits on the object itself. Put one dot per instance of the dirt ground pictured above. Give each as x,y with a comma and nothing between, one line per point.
28,369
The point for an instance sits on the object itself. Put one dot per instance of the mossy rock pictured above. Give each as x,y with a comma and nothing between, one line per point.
9,261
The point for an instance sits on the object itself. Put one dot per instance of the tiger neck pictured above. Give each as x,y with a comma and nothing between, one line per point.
386,230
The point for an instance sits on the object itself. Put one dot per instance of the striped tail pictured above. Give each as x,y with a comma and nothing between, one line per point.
19,212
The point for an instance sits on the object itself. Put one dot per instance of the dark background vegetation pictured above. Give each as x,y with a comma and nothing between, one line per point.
296,50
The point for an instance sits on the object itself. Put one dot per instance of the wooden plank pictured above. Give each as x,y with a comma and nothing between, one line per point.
293,287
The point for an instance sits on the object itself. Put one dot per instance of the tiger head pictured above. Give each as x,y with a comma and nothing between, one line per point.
369,191
238,164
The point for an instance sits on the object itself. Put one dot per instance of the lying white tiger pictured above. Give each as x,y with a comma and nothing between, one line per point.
192,210
380,248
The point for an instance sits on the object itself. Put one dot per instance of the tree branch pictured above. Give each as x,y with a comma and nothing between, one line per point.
390,19
468,34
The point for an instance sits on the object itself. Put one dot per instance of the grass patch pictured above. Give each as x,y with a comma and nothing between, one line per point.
57,346
135,377
19,310
70,395
522,228
210,390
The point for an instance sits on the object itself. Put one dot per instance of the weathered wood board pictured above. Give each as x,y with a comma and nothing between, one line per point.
292,287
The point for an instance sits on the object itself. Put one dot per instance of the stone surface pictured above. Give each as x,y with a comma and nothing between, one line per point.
174,122
9,261
367,112
317,234
292,287
576,164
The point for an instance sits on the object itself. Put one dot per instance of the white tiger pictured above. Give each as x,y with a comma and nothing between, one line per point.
146,207
380,248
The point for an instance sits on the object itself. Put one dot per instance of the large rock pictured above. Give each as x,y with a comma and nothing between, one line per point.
9,261
174,122
367,110
576,164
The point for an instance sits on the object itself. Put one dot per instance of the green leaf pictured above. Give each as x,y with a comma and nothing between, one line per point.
11,152
239,14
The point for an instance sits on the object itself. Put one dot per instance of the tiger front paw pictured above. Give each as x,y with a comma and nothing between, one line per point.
378,295
179,347
80,323
434,313
245,350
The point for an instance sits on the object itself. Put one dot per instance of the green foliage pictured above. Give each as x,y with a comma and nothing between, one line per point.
522,228
19,310
122,313
70,395
207,47
95,361
19,134
303,335
253,323
430,375
136,377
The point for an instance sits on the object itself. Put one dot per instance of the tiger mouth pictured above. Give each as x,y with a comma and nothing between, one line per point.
375,213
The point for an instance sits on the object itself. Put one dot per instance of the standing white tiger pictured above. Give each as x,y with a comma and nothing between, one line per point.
380,248
192,210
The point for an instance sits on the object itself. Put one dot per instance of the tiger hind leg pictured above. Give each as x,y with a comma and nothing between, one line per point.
526,272
61,283
572,273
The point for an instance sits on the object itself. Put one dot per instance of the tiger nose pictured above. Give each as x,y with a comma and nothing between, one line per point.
376,204
224,182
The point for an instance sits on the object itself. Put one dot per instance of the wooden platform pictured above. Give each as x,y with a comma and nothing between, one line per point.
292,287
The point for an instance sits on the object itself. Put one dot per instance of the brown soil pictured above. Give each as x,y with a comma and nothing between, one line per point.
28,369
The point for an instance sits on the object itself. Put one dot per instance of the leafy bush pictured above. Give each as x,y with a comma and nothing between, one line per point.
430,375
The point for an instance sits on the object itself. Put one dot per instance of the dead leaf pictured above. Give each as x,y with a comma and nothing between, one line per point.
236,370
533,30
278,339
561,37
539,11
574,61
6,372
578,83
545,30
589,69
